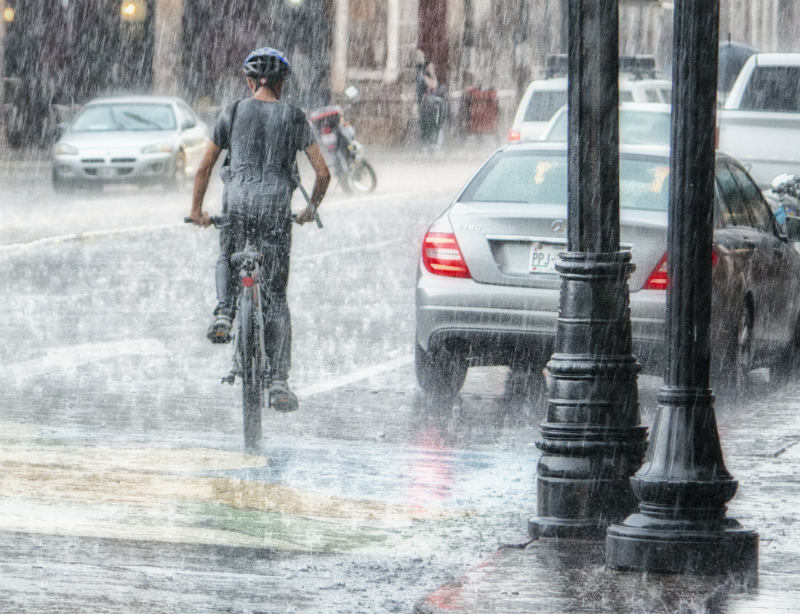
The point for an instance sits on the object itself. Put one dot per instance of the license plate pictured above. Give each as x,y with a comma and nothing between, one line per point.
543,257
108,172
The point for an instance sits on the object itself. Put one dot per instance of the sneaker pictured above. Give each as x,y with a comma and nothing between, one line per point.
220,330
281,398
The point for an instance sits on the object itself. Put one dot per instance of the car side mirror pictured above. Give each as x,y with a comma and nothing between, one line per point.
793,228
187,124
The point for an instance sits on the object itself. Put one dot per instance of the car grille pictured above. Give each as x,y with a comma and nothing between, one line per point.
107,172
123,160
92,160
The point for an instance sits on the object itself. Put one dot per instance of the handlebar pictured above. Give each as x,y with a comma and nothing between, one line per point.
221,220
216,220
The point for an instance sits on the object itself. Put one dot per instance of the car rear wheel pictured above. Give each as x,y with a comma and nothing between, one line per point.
741,352
440,373
788,364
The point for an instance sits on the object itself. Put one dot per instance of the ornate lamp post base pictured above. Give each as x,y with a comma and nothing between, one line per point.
681,526
592,441
672,547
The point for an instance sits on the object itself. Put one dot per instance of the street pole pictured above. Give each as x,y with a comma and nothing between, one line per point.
168,47
591,442
2,69
683,485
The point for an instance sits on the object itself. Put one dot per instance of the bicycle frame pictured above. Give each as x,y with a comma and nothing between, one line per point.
251,362
249,283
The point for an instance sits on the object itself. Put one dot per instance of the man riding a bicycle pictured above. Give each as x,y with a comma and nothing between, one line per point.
262,136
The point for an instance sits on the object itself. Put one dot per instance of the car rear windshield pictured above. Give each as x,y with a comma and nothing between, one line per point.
773,88
635,127
543,104
541,179
113,117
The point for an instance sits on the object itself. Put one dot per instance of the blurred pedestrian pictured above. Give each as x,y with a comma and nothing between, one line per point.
431,106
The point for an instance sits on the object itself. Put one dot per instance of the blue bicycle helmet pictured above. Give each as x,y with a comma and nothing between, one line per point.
266,62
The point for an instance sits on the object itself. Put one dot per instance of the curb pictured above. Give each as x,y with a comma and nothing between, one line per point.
569,576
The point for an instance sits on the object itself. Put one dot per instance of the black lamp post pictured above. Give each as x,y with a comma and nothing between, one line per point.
683,485
592,441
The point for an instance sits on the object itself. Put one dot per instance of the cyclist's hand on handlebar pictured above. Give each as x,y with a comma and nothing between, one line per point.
306,215
201,219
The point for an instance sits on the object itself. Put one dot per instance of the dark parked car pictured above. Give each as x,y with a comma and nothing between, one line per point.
488,291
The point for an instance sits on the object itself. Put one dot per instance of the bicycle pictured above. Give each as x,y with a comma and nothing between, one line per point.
251,362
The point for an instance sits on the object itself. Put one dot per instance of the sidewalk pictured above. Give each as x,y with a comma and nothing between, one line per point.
548,577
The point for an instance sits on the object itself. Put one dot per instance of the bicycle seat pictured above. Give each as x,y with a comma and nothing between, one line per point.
246,255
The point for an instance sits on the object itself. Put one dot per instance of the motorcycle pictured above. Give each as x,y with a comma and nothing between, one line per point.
784,198
341,150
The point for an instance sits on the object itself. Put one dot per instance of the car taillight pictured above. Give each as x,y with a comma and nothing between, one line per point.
514,135
658,279
442,256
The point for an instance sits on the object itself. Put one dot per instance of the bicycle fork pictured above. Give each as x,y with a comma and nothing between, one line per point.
249,283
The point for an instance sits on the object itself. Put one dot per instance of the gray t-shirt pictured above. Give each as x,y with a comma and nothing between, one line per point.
263,145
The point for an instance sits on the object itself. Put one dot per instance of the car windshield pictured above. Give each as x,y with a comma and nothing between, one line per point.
543,104
635,127
119,116
540,178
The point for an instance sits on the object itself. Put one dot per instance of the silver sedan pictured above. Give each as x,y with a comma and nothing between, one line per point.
132,139
488,291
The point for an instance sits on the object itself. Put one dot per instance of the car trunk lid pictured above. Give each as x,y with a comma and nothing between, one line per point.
517,244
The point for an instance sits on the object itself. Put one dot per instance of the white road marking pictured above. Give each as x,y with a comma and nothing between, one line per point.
347,250
71,356
80,236
354,376
134,230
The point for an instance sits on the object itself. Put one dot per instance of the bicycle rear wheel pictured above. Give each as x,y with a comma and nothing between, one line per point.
252,369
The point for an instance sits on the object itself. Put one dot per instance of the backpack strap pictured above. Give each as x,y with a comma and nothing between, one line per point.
227,161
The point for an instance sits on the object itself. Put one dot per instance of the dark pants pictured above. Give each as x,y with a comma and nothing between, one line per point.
270,232
431,114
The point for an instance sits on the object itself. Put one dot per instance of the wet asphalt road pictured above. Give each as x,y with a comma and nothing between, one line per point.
124,479
124,483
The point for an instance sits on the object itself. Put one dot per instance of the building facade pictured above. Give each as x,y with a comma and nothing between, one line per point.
66,51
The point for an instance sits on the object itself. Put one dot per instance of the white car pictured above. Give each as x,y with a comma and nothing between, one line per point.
640,123
131,139
760,122
544,97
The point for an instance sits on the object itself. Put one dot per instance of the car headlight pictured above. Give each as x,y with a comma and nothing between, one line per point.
157,148
62,149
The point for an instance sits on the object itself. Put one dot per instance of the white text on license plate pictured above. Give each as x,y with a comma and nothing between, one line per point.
543,257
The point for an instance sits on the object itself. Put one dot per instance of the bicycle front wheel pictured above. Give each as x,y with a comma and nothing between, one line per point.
252,369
